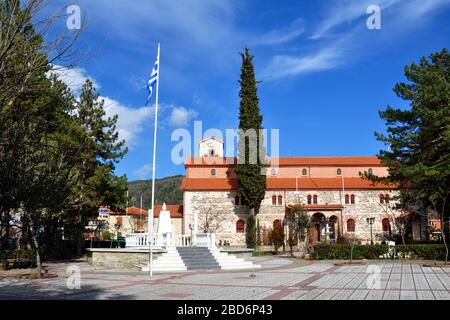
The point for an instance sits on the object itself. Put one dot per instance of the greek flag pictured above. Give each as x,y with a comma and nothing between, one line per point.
153,80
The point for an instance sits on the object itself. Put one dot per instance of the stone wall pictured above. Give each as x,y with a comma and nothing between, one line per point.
366,205
117,258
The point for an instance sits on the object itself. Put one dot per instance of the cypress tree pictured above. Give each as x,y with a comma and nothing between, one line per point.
251,180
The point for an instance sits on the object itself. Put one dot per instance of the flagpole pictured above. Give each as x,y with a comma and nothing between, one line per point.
151,214
343,201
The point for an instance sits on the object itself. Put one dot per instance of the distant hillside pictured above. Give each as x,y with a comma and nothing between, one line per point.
167,190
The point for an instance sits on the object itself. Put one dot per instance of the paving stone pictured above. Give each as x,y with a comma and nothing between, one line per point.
425,295
408,295
359,295
375,295
391,295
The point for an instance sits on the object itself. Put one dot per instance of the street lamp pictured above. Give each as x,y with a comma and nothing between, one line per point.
371,221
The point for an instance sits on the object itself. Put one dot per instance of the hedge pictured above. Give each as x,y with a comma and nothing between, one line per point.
18,259
342,252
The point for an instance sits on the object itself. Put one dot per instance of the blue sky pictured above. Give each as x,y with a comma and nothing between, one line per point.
324,74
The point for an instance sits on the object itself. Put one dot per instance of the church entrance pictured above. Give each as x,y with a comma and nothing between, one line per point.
317,229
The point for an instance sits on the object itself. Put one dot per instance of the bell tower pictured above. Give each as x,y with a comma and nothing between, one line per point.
211,147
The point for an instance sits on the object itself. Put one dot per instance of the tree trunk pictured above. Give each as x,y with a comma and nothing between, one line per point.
444,237
36,247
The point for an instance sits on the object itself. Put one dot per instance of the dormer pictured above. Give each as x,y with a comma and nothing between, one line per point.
211,147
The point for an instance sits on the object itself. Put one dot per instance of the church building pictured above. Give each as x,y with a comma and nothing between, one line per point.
337,199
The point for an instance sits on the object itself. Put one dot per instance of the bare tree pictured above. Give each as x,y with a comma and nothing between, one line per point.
211,220
21,31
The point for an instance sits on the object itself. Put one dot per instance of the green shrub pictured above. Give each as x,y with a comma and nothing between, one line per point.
342,252
423,251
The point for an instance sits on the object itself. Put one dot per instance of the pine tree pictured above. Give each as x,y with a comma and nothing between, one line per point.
96,184
250,168
419,137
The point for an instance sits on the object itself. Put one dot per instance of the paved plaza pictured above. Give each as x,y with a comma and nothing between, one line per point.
279,278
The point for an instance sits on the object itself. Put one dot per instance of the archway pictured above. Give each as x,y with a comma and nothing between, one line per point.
318,225
333,227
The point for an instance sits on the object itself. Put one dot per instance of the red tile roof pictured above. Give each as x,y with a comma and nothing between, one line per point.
285,184
176,211
362,161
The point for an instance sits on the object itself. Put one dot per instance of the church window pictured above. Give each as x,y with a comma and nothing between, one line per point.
280,200
240,226
350,225
315,199
386,225
339,172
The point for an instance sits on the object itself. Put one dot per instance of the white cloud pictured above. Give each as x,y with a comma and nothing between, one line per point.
180,116
284,35
73,78
403,12
345,12
326,58
350,44
130,122
143,173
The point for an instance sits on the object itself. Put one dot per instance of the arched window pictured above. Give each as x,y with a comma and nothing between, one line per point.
347,199
304,172
309,199
352,199
237,201
211,153
381,198
339,172
315,199
386,225
274,172
276,224
280,200
240,226
350,225
213,172
274,200
370,171
386,198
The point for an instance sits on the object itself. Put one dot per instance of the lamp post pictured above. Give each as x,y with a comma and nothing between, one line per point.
371,221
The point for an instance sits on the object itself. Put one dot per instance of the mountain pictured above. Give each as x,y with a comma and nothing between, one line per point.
167,190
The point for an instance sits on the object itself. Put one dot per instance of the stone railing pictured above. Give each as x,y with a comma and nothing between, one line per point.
140,240
205,240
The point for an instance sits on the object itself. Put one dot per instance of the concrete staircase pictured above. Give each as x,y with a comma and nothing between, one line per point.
167,262
231,262
197,258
